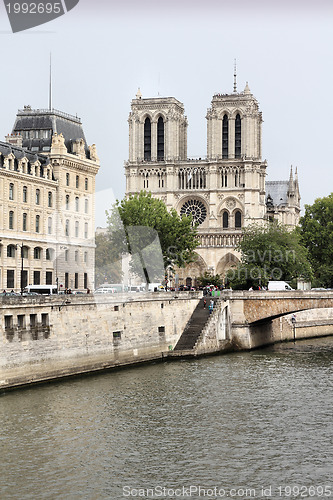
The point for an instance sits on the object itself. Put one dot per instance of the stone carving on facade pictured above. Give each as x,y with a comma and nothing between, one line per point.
93,153
220,196
58,144
241,196
231,203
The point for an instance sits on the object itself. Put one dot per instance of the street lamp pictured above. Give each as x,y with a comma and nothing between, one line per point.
21,246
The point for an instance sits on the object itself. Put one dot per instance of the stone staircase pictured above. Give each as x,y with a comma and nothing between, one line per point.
194,326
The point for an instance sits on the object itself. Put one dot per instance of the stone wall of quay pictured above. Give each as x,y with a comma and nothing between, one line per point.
44,338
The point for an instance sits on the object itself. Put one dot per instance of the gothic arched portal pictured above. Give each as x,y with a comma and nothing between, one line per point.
225,263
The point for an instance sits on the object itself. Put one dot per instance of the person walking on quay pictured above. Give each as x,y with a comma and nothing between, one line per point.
211,306
204,303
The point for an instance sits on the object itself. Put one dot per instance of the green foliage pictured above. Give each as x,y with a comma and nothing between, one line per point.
269,251
107,265
210,279
156,238
316,230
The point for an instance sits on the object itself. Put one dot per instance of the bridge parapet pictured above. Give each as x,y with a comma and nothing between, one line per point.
251,307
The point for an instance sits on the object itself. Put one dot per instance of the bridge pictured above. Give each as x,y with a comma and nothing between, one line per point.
244,319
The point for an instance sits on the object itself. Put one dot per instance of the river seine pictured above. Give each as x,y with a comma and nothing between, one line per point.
245,425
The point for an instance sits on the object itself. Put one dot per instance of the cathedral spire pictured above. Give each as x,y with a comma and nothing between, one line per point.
291,187
235,76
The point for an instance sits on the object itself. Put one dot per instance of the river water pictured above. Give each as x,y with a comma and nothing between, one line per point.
245,425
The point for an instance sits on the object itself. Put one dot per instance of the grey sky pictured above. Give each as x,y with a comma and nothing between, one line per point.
103,51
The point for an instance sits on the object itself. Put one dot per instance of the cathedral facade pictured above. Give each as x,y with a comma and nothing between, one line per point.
225,191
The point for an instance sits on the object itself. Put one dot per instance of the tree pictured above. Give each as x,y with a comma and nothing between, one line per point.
107,263
269,252
156,238
210,279
316,230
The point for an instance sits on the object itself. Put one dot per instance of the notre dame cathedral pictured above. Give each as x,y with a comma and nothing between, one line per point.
224,191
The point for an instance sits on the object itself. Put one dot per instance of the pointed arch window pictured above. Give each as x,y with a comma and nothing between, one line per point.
147,139
225,137
225,220
238,219
238,136
160,139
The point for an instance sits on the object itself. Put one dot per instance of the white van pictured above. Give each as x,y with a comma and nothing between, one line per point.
41,289
278,286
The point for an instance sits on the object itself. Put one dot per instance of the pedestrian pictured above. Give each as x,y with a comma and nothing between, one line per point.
210,308
205,302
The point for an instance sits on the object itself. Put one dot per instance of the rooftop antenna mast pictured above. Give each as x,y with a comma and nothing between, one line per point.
235,76
50,89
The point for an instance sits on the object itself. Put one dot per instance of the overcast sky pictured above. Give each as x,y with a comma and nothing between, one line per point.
103,50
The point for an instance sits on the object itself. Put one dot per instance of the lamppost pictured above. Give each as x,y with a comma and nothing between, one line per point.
21,246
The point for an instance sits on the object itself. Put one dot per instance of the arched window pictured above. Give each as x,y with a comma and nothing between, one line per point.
238,219
147,139
24,222
49,253
86,230
160,139
11,251
11,219
67,227
77,181
37,196
86,184
85,257
77,229
37,253
225,220
86,205
76,203
67,179
225,137
11,191
49,225
37,223
238,136
76,256
25,252
67,201
25,194
50,199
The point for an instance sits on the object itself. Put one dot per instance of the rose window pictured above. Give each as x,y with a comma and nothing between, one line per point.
195,208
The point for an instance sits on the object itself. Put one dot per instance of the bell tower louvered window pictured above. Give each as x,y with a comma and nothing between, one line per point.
238,136
225,137
147,139
160,139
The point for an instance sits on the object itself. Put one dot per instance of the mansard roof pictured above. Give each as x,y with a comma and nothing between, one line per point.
278,191
19,153
50,121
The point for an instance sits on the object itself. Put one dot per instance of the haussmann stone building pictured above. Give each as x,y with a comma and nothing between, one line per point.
47,202
224,191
